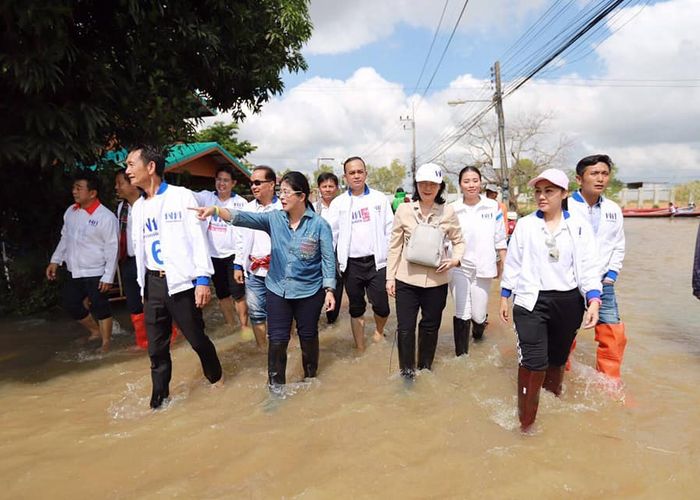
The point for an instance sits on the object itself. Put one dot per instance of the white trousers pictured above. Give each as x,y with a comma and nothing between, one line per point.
470,294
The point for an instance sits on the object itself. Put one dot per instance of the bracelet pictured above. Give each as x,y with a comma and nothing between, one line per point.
216,210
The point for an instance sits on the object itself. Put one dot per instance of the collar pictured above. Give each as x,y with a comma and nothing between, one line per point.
366,191
161,189
308,214
540,214
90,209
579,197
275,199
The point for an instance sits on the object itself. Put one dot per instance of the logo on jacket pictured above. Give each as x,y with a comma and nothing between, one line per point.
611,216
361,215
175,216
92,222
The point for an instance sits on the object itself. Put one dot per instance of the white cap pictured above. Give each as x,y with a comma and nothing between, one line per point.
491,187
429,172
553,175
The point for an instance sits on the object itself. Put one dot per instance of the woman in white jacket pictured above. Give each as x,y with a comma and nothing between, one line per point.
550,268
484,233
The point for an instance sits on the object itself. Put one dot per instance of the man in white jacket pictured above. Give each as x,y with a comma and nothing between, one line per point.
173,268
605,218
361,220
89,248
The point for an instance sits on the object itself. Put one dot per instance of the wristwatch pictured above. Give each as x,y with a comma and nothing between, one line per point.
329,289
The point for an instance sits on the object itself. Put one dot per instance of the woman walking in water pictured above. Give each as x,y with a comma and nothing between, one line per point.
417,286
484,233
550,268
301,280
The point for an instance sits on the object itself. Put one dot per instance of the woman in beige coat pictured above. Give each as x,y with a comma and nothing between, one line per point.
417,286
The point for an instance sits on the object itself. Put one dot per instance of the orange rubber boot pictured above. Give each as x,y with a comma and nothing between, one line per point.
568,360
611,348
173,335
139,322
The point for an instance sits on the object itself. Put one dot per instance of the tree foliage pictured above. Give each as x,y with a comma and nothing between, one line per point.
387,179
78,77
321,169
225,135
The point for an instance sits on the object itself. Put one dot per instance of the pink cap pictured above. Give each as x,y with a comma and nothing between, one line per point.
553,175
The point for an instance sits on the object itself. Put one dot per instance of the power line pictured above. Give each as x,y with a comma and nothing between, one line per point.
432,43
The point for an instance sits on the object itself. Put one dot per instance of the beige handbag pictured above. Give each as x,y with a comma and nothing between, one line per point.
426,245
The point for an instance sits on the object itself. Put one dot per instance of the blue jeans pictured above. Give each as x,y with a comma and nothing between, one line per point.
609,314
255,295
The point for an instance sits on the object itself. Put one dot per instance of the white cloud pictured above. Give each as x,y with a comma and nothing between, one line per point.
342,26
652,133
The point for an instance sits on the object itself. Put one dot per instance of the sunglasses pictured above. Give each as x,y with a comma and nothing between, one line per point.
258,183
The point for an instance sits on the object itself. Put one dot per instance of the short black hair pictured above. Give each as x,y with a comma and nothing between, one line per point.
122,171
225,168
150,153
439,198
399,190
354,158
269,173
90,178
591,160
327,176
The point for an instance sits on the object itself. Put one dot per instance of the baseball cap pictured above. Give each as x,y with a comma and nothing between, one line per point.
553,175
430,172
491,187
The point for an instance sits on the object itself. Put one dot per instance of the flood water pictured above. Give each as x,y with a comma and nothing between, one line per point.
77,425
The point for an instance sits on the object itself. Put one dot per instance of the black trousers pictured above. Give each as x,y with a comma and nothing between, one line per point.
546,333
361,275
410,298
127,267
74,292
160,311
281,311
331,316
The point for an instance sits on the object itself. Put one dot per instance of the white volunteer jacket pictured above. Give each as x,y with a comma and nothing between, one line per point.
338,216
221,236
89,242
610,237
183,242
484,232
246,237
527,249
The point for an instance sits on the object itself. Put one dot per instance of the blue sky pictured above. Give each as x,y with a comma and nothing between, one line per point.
633,97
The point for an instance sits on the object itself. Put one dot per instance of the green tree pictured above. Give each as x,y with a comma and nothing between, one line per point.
387,179
80,78
225,134
321,169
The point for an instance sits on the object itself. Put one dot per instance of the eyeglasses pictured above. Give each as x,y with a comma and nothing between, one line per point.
285,193
257,182
551,243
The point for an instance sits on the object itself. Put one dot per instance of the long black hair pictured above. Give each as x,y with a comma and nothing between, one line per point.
469,168
298,182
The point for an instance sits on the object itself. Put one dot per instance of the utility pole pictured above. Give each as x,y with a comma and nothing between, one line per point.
412,120
498,100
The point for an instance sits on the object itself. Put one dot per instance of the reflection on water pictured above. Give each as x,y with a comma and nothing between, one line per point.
77,424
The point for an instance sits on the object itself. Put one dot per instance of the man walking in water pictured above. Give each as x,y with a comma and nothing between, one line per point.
173,268
605,216
361,220
253,250
89,247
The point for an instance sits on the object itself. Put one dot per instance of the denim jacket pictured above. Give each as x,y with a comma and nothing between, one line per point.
302,260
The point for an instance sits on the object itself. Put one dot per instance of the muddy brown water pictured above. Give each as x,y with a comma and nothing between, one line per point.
76,425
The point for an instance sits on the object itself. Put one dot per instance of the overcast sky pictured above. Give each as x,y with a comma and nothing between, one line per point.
636,96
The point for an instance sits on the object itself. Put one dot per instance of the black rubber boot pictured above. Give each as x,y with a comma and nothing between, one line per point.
461,328
277,364
478,330
309,356
407,354
161,370
427,343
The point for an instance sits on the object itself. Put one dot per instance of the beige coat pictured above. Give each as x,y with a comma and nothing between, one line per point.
404,224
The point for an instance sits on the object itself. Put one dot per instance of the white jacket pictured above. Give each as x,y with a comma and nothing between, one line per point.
527,249
246,237
484,232
221,236
610,237
89,242
183,242
338,216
